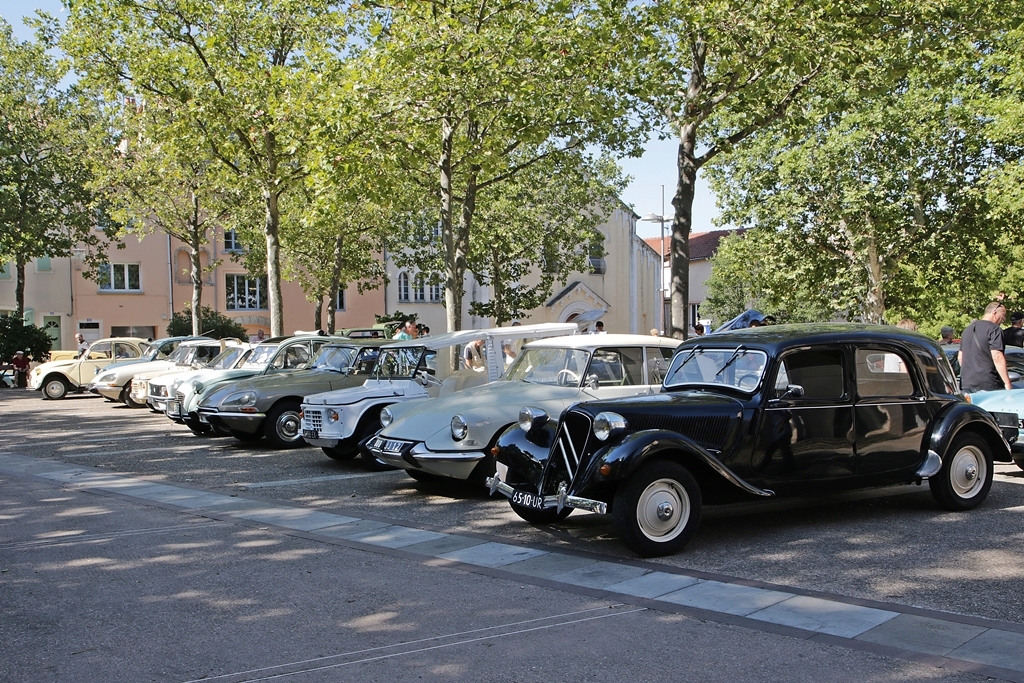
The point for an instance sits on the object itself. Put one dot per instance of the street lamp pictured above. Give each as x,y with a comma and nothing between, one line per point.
655,218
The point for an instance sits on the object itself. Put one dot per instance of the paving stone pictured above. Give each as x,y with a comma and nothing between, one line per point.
729,598
182,497
600,575
922,634
353,528
994,647
492,554
824,616
293,518
396,536
446,544
652,585
547,566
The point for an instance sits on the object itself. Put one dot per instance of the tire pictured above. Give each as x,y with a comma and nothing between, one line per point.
549,516
345,450
198,430
966,475
128,400
427,477
371,463
658,509
282,426
1019,463
55,388
243,436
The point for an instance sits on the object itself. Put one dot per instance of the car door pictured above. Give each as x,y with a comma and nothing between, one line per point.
891,415
659,358
617,372
99,355
124,351
806,434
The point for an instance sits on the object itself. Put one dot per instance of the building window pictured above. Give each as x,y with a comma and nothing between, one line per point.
419,292
231,242
119,277
694,313
403,286
436,292
43,264
244,293
339,304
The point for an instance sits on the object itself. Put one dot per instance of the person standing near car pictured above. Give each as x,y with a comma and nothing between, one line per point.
1014,334
83,345
982,363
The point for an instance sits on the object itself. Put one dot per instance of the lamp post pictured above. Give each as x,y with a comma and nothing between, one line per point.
656,218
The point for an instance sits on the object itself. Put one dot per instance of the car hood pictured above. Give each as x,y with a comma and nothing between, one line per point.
55,365
1000,401
371,388
668,403
169,378
135,369
487,409
297,382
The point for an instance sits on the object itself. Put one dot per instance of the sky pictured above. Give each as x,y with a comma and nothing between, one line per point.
649,173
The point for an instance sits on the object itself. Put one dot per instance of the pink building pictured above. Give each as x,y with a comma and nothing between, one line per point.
149,280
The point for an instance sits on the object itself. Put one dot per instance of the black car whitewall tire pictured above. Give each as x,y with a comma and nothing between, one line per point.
658,509
55,388
966,475
283,427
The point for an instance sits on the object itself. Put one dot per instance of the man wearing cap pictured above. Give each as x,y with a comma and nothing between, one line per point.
1014,334
20,364
982,363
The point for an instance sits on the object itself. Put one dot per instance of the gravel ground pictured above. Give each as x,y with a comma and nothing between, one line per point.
893,545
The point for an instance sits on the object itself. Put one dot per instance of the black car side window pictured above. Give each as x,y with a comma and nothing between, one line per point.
819,372
883,374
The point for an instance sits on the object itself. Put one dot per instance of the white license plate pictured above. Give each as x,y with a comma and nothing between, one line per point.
387,445
310,433
528,500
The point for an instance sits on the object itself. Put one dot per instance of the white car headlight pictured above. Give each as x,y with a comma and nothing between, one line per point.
333,415
386,418
197,387
240,399
606,424
459,428
175,384
530,417
106,378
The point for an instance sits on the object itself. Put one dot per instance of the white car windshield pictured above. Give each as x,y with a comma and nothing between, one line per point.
737,367
226,358
335,358
557,367
261,355
403,363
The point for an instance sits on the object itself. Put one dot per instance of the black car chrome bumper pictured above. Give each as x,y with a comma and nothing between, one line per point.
560,501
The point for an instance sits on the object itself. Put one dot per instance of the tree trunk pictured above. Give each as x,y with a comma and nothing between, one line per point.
874,305
332,304
498,290
318,315
273,218
19,287
197,290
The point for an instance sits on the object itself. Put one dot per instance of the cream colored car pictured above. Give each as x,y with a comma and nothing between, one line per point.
57,378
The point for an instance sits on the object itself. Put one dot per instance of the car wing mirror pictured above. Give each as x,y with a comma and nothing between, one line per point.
1014,376
793,391
592,381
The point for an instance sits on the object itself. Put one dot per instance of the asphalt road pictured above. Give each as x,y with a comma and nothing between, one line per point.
104,588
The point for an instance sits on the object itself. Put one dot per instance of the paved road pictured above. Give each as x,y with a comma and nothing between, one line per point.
105,585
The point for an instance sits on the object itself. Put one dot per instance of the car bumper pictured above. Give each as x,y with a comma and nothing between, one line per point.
530,499
411,455
113,393
248,423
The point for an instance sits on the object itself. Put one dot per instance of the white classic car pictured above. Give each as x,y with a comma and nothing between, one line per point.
451,437
117,383
408,370
159,387
56,378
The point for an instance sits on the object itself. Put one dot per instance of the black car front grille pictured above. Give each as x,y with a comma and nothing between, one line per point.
570,447
709,432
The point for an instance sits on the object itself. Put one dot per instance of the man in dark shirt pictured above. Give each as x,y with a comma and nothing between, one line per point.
982,363
1014,334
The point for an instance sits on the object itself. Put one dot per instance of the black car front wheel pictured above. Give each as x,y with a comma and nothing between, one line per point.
282,427
658,509
966,474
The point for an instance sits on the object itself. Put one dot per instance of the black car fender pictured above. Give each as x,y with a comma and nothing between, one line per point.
526,455
960,416
620,460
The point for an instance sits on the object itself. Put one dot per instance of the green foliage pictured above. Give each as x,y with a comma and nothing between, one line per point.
15,335
212,324
396,317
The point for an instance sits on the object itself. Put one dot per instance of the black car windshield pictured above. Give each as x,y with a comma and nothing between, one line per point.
737,367
260,356
545,365
402,363
336,358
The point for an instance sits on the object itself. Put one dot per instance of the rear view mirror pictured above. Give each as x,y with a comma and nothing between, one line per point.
792,391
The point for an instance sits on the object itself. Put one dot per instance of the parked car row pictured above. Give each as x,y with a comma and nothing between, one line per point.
641,428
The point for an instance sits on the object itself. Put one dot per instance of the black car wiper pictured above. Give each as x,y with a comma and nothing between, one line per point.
740,350
686,360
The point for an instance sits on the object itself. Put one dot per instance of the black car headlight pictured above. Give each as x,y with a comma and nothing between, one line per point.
530,417
459,428
606,424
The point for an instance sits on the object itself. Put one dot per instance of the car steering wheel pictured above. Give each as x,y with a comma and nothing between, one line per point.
573,378
747,382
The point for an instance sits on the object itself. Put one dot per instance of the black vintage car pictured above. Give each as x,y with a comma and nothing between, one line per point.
754,414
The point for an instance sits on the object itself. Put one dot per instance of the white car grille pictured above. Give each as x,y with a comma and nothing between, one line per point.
312,419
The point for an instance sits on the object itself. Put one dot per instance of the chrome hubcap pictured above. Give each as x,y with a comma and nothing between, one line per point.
288,426
54,388
663,510
967,472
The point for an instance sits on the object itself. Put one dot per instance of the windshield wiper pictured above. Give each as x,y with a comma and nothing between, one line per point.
740,351
689,357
